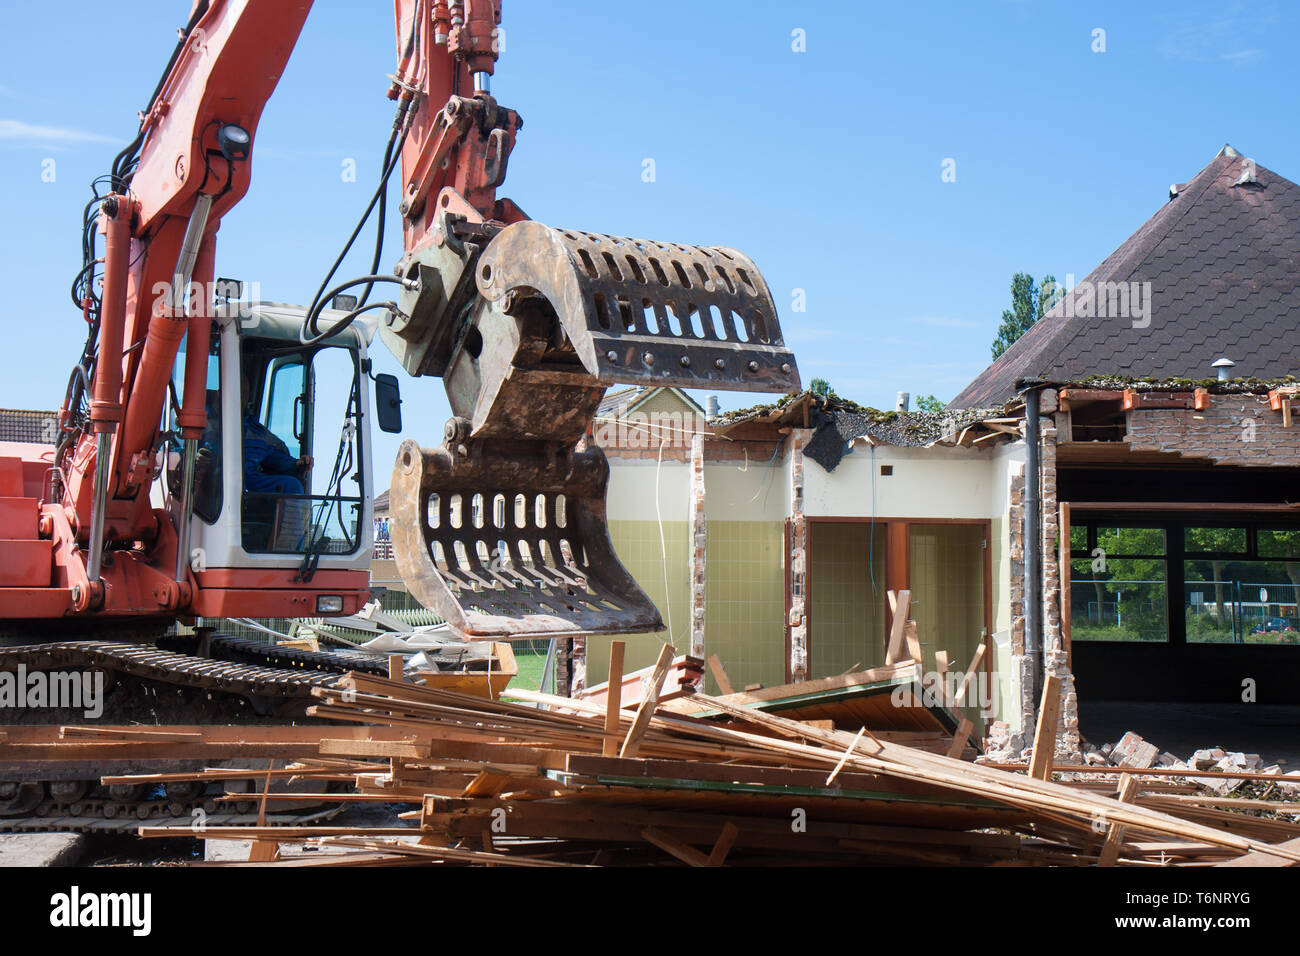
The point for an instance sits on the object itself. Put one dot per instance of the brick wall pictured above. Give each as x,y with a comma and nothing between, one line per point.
1234,430
698,544
1055,659
798,560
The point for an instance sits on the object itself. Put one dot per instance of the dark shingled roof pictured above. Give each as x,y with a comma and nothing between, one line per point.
1223,260
27,425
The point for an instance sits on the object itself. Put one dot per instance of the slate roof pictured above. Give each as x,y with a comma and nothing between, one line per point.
26,425
1223,260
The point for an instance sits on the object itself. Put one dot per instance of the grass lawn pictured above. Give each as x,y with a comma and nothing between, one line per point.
530,670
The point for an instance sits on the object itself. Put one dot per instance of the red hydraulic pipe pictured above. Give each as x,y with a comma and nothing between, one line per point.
194,413
106,400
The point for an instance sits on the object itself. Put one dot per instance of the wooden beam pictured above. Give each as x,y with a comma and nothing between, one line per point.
1049,719
959,739
486,784
671,845
632,742
900,605
913,639
959,700
1115,834
941,667
720,675
613,697
840,766
726,839
1263,857
395,665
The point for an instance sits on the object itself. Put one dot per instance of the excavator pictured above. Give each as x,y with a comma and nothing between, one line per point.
212,454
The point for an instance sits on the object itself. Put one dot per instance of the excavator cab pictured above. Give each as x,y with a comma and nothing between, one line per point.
281,473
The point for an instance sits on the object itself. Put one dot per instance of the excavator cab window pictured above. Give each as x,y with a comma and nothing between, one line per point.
300,457
207,466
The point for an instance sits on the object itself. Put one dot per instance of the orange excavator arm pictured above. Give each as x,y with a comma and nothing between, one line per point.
501,529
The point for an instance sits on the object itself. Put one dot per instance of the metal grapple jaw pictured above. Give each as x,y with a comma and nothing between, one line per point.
502,530
509,541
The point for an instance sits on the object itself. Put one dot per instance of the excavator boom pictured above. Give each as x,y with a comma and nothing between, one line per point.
502,527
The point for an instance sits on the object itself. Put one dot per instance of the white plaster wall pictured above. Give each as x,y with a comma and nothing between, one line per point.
747,490
632,490
937,482
734,490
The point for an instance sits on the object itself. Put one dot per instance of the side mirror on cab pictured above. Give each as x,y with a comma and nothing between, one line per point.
388,403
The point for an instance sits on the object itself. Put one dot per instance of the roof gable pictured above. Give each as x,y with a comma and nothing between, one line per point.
1219,268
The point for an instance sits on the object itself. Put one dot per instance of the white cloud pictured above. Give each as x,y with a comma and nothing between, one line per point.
19,131
1228,34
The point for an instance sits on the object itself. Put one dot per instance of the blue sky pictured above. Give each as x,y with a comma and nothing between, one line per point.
824,166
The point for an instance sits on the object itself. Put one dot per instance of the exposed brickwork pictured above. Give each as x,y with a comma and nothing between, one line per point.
1016,554
698,545
1055,659
1234,430
578,665
797,564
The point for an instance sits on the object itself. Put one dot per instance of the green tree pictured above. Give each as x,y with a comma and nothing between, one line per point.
1029,303
928,403
1216,540
820,387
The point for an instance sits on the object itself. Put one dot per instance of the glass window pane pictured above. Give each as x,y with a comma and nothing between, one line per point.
1124,541
1078,538
1278,542
1216,540
283,408
1242,602
1118,599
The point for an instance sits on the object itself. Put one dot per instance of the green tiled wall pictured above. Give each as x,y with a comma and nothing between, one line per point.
948,593
637,545
744,601
847,621
744,609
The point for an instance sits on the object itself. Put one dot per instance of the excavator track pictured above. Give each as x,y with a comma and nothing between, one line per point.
243,651
150,663
266,675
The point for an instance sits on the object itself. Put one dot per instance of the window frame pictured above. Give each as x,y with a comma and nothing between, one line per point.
1176,554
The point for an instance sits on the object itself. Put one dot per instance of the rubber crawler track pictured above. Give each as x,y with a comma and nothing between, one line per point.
150,663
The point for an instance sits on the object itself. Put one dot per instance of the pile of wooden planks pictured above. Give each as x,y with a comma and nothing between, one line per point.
539,780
